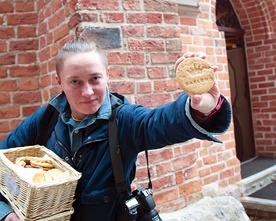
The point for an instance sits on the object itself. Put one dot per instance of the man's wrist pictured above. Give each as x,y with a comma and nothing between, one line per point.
213,112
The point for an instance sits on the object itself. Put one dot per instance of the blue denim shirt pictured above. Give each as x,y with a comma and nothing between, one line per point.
75,130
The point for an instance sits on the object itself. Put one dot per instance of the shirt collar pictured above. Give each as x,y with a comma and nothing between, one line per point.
61,104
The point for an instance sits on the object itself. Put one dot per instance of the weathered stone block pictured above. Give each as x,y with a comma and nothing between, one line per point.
107,38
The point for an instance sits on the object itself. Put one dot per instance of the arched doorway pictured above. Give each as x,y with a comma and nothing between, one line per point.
240,95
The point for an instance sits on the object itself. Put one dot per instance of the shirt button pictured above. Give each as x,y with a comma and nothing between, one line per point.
89,137
106,199
66,158
76,131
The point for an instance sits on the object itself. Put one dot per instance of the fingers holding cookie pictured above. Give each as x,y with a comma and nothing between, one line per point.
195,75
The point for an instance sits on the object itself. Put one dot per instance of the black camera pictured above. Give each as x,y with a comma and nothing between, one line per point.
139,206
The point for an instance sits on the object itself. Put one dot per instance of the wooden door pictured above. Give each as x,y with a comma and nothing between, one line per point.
241,105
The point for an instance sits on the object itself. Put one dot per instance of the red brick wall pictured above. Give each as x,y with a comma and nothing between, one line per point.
258,20
152,35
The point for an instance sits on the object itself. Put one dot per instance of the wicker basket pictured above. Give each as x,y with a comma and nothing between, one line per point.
49,201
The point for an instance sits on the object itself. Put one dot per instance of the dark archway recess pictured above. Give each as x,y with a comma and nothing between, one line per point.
228,22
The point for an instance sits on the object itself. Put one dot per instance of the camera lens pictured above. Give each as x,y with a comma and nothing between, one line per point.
150,216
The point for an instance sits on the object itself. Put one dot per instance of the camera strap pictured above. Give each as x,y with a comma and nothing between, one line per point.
115,154
116,157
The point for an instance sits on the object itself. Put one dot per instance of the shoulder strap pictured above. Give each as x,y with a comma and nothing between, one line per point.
115,154
47,124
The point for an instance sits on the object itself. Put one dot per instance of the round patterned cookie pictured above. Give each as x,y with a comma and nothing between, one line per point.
195,75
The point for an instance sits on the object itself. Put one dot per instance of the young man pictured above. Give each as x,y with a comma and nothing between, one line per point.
80,136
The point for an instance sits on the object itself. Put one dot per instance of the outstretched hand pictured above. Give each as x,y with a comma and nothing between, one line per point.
206,102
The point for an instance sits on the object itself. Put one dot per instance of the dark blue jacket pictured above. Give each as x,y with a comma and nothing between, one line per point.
139,128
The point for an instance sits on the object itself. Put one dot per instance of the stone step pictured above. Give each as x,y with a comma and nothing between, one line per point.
258,181
262,209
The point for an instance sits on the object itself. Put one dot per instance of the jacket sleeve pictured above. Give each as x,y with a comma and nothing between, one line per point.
169,124
23,135
4,209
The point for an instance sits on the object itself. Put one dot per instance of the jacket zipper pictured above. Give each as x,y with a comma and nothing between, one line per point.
83,146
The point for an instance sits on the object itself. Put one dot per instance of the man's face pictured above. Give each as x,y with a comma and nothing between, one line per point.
84,81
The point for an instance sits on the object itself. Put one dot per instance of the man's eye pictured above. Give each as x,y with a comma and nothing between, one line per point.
95,79
75,82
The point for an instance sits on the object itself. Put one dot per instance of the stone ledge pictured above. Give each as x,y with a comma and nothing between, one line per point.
210,209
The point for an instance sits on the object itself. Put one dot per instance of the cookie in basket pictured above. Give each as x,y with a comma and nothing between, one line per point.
195,75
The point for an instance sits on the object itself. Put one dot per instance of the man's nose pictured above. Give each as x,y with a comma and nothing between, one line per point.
87,90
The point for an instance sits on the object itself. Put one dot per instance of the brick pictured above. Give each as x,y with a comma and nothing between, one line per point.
165,85
4,98
6,7
163,168
107,38
133,31
3,46
122,87
113,17
153,100
56,6
184,161
190,187
26,31
27,111
61,32
162,182
23,6
22,19
144,87
210,179
205,171
3,72
210,159
26,97
100,5
227,173
179,177
7,33
5,126
160,31
160,155
190,147
44,54
151,45
133,5
188,21
166,196
133,58
164,58
217,167
28,84
191,173
157,72
142,18
56,19
26,58
23,71
8,85
9,112
7,59
171,18
136,72
173,45
116,72
160,5
23,45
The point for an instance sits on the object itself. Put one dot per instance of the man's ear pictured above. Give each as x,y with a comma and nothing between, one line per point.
57,79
